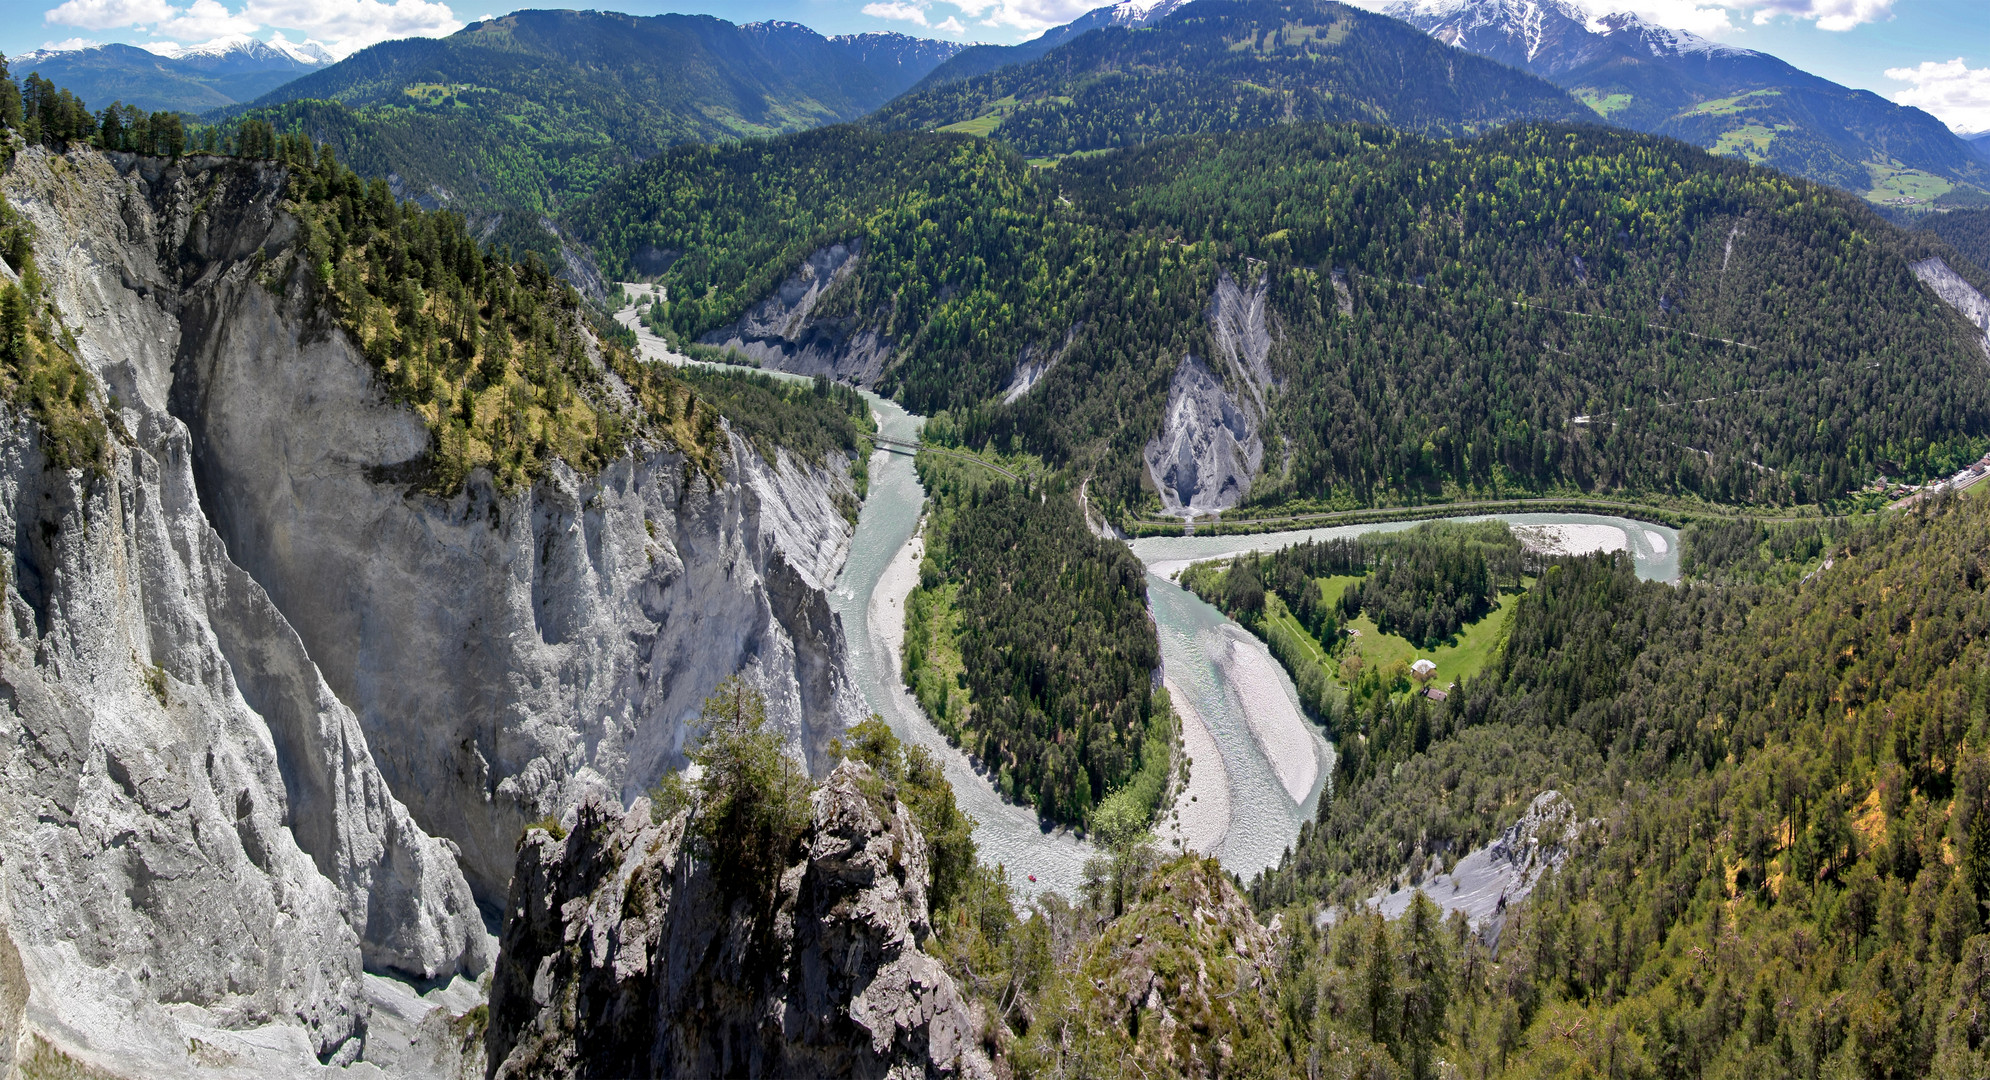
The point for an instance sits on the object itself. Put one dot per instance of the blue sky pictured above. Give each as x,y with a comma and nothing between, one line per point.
1934,54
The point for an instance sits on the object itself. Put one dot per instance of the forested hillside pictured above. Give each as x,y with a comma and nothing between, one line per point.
1226,65
1785,868
512,117
1968,231
1542,309
1029,644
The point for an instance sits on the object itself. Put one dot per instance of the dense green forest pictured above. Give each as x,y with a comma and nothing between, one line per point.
1229,65
1967,231
1540,310
1747,550
1785,872
1028,642
513,117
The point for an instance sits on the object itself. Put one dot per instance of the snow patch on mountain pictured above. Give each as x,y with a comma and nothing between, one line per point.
243,47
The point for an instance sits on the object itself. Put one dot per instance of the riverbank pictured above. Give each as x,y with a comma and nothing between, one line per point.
1281,731
1672,516
887,612
1200,819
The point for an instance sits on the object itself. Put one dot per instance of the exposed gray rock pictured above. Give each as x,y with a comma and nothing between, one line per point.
1034,363
1211,442
784,332
622,957
1489,882
438,1035
193,816
1243,340
222,661
504,652
1958,293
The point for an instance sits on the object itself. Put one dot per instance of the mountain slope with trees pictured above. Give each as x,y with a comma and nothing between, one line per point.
1727,99
1225,65
1540,310
512,117
1787,848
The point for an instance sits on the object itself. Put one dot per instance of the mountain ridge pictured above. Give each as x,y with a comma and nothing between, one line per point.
1220,65
197,78
1738,101
512,117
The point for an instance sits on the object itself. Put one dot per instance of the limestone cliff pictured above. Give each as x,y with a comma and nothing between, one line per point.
1211,442
623,957
1958,293
273,721
792,330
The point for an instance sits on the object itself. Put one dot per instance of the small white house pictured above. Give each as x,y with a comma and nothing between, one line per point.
1423,669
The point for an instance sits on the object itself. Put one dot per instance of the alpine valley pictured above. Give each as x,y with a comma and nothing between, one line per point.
1247,538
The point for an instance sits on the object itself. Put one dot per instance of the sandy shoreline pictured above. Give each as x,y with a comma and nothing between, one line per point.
887,611
1201,815
1574,538
1281,732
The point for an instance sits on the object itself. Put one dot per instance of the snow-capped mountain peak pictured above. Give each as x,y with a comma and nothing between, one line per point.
1515,31
1546,35
1660,40
1141,12
241,47
1127,14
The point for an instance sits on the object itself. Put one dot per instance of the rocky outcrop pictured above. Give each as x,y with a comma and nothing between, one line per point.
1489,882
1211,442
274,721
786,331
623,956
1958,293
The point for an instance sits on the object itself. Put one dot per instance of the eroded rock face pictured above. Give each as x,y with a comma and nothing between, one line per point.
272,721
193,816
504,653
622,956
1211,442
1958,293
786,331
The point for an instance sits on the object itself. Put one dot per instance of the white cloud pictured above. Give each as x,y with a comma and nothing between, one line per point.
1828,14
341,26
71,45
107,14
899,12
950,25
1954,92
1026,14
203,20
346,26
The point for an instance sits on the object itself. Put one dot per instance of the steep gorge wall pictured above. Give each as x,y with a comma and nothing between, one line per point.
198,848
225,660
785,331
